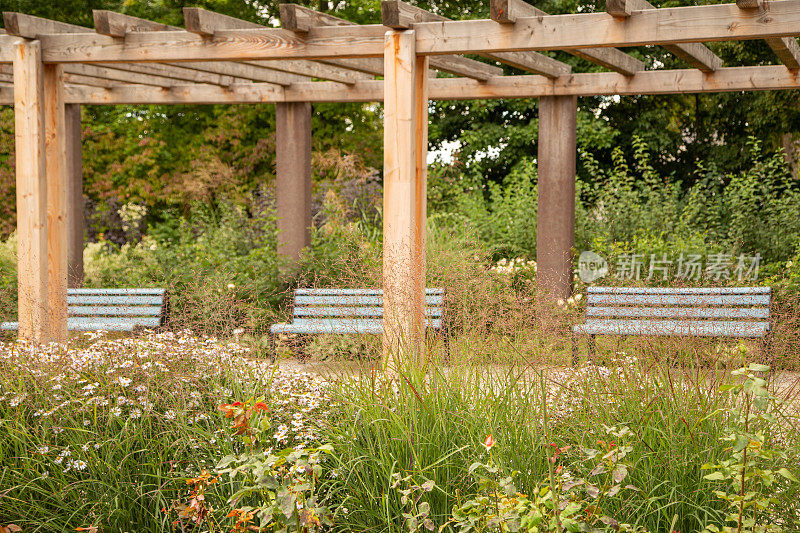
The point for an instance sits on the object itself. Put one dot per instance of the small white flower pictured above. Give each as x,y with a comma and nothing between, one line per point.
135,412
116,411
86,422
169,415
231,286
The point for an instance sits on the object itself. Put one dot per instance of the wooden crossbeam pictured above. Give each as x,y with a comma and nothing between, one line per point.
695,54
785,48
653,82
665,26
304,20
401,15
508,11
205,22
119,25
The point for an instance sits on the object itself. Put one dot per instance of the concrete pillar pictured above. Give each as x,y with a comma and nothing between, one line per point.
555,236
293,178
75,220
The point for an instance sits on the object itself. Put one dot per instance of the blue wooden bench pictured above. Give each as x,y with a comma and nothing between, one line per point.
742,312
350,311
111,310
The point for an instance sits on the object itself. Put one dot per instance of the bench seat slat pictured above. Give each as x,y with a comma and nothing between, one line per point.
365,311
679,312
340,326
108,310
353,292
81,323
678,290
353,300
117,292
700,328
80,299
682,300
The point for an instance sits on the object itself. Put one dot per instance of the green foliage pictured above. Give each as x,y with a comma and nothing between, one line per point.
754,475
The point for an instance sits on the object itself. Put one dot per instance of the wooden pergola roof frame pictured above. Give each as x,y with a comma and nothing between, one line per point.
48,69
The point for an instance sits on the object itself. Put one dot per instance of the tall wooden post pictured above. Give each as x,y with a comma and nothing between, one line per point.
404,191
293,178
556,202
57,173
75,220
29,135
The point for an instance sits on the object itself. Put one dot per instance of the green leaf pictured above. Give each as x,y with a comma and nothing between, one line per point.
715,476
784,472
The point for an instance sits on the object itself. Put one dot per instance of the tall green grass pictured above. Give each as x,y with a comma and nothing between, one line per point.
432,427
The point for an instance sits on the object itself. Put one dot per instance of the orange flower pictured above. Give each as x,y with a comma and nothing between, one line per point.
489,442
261,405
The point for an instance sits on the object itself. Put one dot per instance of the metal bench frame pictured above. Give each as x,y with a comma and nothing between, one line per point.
737,312
112,310
350,311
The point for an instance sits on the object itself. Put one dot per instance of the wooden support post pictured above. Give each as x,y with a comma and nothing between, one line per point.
293,178
29,135
57,183
405,141
75,220
556,200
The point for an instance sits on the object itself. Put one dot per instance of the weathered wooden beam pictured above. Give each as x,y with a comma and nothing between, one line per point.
304,20
720,22
293,178
205,22
555,233
508,11
31,170
401,15
403,316
75,219
31,27
654,82
57,216
785,48
695,54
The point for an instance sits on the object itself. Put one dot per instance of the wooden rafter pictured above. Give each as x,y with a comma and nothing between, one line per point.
401,15
205,22
785,48
695,54
304,21
508,11
118,25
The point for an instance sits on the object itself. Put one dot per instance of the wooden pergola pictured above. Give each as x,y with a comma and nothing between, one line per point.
48,69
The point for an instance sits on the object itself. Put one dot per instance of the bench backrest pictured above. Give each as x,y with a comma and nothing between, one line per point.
136,307
725,303
356,304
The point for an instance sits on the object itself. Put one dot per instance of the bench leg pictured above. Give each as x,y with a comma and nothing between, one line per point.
592,347
574,340
271,346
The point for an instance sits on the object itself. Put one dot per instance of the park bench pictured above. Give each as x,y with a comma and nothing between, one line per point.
742,312
350,311
111,310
